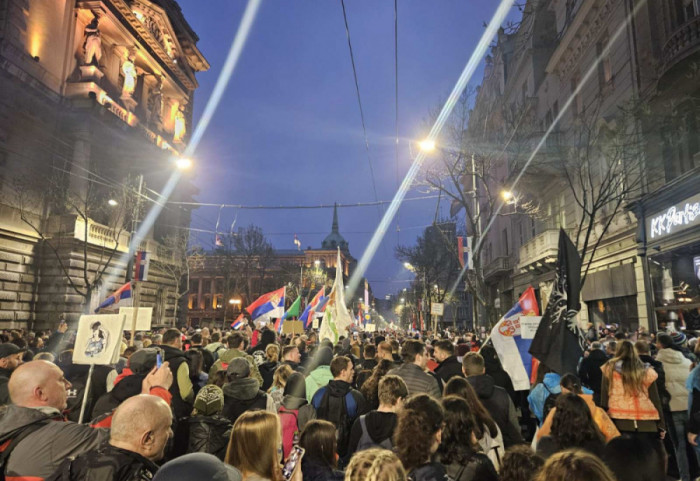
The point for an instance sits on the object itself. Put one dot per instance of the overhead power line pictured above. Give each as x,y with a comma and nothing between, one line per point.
297,207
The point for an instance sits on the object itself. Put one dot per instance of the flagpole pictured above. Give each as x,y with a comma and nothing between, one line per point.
135,293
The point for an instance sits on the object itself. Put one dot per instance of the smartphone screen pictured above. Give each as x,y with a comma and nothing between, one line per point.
292,461
159,359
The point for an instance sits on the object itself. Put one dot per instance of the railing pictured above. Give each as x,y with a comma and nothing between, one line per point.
497,266
682,42
541,249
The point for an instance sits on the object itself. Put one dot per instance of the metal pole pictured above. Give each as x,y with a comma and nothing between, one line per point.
134,228
85,394
477,234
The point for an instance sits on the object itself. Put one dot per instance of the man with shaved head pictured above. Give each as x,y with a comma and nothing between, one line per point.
139,434
32,428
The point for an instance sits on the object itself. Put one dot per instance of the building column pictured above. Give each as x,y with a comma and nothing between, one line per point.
213,294
81,161
199,294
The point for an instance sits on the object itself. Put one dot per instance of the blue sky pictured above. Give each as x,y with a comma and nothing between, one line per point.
288,129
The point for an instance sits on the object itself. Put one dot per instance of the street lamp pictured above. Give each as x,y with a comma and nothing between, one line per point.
507,195
409,266
234,301
317,262
427,145
183,163
112,203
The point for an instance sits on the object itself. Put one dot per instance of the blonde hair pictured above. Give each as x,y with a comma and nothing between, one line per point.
279,379
574,465
272,352
147,342
632,369
375,464
252,447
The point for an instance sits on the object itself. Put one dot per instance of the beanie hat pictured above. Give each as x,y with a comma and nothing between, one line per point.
238,368
324,356
209,400
296,385
678,338
143,360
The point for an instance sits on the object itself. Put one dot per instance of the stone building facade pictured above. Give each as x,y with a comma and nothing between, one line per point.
95,103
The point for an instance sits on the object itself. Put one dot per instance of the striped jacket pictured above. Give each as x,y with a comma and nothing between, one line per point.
417,380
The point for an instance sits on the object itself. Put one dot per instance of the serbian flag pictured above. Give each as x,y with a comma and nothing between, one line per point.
308,315
239,322
267,306
507,339
124,292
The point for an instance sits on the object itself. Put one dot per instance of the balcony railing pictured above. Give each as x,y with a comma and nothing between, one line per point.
682,42
500,265
540,251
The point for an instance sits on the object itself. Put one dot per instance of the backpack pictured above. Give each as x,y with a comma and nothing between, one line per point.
289,418
366,440
340,411
10,441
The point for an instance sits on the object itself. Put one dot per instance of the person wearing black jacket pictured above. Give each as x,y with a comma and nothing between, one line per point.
369,362
209,431
449,367
10,359
589,370
495,399
644,352
493,367
182,388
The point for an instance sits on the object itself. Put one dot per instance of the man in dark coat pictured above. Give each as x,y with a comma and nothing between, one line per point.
449,367
10,359
182,388
589,370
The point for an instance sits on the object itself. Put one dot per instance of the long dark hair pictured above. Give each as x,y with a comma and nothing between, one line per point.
457,444
370,388
573,425
318,439
483,420
420,419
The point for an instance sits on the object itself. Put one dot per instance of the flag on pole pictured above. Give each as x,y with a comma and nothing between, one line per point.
239,322
218,241
308,315
267,306
141,266
512,349
336,318
559,341
464,252
297,242
124,292
293,311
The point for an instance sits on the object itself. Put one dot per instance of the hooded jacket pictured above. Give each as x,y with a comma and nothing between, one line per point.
676,368
4,391
209,434
241,395
227,356
499,405
449,368
317,379
589,371
326,403
539,394
306,410
107,463
315,470
380,426
123,390
39,454
267,371
477,468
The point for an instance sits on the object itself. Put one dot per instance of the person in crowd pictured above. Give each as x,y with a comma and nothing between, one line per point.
487,432
294,410
207,355
236,349
449,366
693,386
242,392
33,422
644,352
320,375
370,388
629,393
412,371
376,428
215,346
10,359
495,399
384,352
418,436
137,439
267,337
500,377
520,463
574,465
320,461
572,427
547,386
182,389
610,348
375,465
208,429
198,377
252,448
458,450
570,384
632,459
338,402
197,466
369,362
279,381
268,368
395,351
219,379
676,368
292,358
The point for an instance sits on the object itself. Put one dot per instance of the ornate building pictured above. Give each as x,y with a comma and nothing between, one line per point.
96,101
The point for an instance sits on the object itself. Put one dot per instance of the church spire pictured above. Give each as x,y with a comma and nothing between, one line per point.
334,228
334,239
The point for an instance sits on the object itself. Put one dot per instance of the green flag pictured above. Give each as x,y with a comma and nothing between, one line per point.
293,310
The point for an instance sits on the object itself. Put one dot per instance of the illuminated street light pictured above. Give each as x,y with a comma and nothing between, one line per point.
409,266
112,202
403,300
427,145
507,195
183,163
317,262
234,301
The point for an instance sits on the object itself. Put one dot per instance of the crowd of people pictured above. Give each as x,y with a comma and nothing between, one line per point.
385,406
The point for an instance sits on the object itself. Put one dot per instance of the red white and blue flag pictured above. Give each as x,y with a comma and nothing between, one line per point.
239,322
124,292
507,339
312,307
267,306
141,266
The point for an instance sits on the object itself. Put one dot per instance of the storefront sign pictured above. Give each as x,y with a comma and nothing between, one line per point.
677,218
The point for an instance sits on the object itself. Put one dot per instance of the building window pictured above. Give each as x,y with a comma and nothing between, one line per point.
504,236
605,74
192,301
577,104
532,227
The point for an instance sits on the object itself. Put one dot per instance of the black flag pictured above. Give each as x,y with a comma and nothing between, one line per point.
559,341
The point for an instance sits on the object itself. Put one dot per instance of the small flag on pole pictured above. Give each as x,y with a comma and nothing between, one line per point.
124,292
141,266
297,242
218,241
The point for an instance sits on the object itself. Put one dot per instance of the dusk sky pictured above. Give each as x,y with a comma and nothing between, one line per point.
288,130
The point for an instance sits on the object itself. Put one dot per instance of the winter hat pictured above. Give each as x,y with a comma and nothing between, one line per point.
324,356
296,385
678,338
197,466
238,368
209,400
143,360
